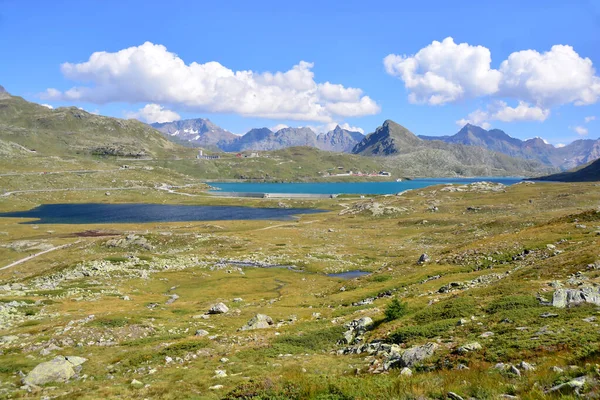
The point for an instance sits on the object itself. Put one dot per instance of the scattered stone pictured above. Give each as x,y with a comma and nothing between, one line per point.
525,366
469,347
549,315
136,383
571,386
259,321
201,333
220,373
454,396
216,387
126,298
224,360
514,370
172,298
558,370
486,334
238,300
218,308
424,259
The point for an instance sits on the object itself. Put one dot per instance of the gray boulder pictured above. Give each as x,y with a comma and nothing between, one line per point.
411,357
59,369
569,297
218,308
259,321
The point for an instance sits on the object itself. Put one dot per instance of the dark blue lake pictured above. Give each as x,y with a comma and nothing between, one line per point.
94,213
350,187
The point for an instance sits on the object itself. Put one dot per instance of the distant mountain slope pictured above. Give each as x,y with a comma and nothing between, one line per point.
589,172
438,157
33,128
339,140
199,132
389,139
577,153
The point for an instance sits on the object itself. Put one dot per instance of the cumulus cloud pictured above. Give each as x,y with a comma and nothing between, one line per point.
47,106
590,119
500,111
559,145
151,113
150,73
580,130
446,72
522,112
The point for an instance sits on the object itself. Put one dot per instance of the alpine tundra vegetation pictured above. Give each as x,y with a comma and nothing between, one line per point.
132,268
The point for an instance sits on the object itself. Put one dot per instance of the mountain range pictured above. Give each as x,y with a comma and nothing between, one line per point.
576,153
203,133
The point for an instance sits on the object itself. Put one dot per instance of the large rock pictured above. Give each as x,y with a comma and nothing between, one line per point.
218,308
59,369
569,297
411,357
259,321
356,330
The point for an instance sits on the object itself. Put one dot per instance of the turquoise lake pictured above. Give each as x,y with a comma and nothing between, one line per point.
350,187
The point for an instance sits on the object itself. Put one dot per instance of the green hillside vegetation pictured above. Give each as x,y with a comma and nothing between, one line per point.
28,127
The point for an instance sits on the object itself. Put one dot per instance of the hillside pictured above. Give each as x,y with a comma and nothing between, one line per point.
576,153
29,128
589,172
437,158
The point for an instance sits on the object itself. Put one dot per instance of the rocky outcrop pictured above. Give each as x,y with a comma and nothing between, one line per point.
570,297
356,330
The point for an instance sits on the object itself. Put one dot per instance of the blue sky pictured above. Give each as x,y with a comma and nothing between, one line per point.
552,92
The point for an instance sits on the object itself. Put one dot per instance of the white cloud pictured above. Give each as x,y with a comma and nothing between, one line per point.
500,111
559,145
522,112
278,127
445,72
590,119
151,113
580,130
556,77
150,73
47,106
